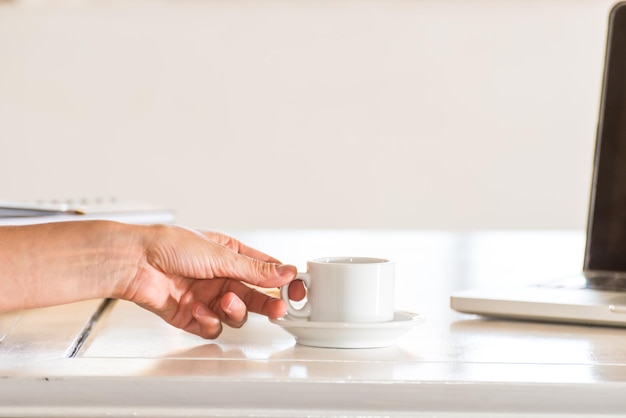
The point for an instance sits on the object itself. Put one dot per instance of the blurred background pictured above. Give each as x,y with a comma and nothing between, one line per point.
447,114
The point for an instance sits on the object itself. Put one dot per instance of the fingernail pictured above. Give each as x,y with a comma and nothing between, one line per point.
287,271
201,310
234,305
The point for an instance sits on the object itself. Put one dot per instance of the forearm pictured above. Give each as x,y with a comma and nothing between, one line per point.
51,264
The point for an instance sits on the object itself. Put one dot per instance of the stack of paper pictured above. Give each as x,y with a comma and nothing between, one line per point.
25,213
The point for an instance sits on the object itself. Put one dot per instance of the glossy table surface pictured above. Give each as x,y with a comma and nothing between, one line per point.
82,360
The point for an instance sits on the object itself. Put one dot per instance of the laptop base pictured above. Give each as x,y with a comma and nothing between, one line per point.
568,300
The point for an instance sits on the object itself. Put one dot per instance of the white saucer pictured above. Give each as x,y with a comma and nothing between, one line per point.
349,334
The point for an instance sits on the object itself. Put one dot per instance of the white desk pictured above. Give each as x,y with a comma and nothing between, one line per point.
132,363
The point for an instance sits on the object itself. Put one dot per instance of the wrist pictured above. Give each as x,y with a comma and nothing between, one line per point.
124,257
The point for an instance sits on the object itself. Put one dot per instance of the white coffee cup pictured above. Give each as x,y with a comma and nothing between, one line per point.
346,289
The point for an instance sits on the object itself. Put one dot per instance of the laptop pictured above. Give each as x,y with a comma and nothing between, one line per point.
598,295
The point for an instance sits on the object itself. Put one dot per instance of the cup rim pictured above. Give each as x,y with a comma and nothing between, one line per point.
350,261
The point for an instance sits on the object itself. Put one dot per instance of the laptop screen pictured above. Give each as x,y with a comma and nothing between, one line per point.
606,234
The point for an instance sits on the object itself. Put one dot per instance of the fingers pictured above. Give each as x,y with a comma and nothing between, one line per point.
232,310
240,299
296,290
206,325
257,302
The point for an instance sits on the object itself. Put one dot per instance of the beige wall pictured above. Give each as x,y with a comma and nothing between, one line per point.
282,113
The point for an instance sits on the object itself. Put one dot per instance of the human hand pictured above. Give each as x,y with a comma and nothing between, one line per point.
197,281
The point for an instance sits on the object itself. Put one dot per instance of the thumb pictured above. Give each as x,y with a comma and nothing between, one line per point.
252,270
187,253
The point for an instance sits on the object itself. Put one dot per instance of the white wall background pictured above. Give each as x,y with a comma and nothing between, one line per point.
448,114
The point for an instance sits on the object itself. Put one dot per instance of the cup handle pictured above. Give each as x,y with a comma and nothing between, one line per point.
305,310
